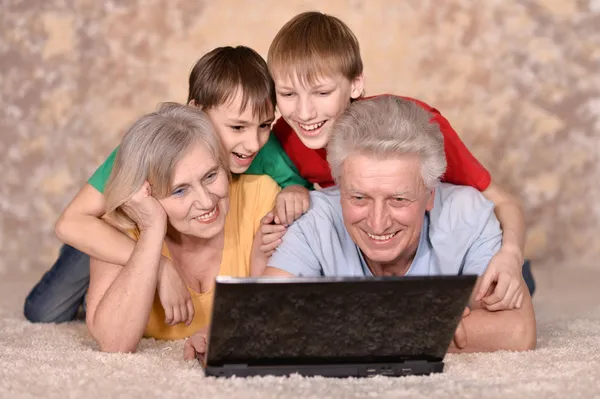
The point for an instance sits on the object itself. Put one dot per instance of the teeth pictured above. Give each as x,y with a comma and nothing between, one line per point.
313,126
381,238
241,156
207,215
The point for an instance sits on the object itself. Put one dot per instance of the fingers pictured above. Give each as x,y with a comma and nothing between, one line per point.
486,281
267,229
196,344
289,212
506,301
177,316
305,204
191,311
513,301
520,301
460,336
268,218
466,312
168,315
280,211
298,209
499,292
189,353
270,248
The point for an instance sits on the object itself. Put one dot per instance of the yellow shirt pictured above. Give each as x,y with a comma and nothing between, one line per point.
250,198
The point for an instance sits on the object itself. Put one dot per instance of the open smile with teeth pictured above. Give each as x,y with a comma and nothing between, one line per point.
382,238
208,215
242,156
312,127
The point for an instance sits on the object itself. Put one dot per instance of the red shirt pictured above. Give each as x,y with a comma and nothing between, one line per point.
463,169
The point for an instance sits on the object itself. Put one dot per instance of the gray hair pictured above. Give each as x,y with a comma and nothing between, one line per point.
150,150
388,126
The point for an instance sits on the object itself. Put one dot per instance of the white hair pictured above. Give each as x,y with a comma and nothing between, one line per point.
386,127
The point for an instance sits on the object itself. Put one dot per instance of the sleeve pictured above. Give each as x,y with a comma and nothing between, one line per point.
463,230
101,175
264,199
486,245
273,161
463,168
295,255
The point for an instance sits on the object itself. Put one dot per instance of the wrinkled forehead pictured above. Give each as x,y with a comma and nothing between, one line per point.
377,176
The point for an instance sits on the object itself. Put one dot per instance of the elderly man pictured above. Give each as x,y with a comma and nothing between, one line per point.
390,216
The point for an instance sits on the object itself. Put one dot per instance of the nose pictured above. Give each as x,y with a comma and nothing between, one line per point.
305,109
251,141
379,218
203,199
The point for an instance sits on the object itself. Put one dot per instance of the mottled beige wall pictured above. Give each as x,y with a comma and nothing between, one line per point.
519,80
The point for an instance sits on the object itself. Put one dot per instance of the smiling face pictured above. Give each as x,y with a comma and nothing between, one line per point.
242,133
384,202
312,108
199,197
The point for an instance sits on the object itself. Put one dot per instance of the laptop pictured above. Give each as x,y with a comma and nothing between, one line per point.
334,327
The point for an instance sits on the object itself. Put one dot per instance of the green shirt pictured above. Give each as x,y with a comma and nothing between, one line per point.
271,160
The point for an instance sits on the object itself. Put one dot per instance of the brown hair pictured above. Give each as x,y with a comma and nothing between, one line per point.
313,44
220,73
150,150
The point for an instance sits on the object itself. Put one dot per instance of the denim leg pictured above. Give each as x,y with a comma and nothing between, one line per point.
61,291
528,277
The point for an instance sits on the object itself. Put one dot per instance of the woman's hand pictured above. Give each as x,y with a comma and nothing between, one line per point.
145,210
174,295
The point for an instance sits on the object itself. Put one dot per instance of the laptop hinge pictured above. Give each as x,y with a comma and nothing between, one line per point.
235,366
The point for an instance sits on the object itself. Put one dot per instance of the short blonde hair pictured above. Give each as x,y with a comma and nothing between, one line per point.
386,127
313,44
149,152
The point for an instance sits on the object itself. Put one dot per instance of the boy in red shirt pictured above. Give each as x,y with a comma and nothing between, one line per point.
316,64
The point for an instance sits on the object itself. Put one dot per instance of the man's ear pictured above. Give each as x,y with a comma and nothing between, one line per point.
358,86
430,201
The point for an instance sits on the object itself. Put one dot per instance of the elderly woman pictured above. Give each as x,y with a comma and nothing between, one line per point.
171,190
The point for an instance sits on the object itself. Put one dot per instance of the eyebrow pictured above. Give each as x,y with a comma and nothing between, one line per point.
396,194
244,122
325,86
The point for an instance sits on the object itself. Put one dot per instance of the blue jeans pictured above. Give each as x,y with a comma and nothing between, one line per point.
528,277
61,291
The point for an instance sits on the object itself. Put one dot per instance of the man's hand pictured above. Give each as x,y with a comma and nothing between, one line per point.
174,295
291,203
196,344
500,287
145,210
460,335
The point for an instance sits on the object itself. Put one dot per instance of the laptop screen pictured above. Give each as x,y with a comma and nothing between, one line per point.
341,320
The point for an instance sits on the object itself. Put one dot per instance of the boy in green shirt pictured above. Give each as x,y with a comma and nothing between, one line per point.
234,88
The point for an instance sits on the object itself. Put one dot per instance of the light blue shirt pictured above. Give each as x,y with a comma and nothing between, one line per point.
459,236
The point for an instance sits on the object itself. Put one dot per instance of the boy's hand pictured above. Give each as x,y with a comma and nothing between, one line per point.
291,203
174,295
270,234
501,286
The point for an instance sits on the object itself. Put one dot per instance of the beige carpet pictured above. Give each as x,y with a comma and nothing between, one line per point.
61,361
